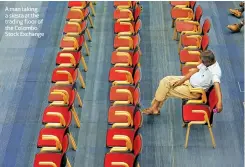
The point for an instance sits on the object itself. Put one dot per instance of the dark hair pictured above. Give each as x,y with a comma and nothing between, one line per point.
208,56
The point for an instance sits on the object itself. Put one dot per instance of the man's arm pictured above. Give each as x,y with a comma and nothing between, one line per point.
186,77
219,96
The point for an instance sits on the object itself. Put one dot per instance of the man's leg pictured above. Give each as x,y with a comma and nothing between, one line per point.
236,27
161,94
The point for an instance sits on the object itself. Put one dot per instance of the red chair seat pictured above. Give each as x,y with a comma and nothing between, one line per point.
77,15
59,133
125,42
53,119
110,142
118,14
120,59
185,69
60,60
69,90
186,57
82,4
122,27
119,119
64,44
179,13
128,158
189,116
56,158
114,76
189,41
74,28
64,77
184,26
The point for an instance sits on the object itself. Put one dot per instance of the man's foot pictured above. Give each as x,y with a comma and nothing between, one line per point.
150,111
234,27
236,12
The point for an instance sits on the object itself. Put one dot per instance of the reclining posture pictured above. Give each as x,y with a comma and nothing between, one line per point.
207,74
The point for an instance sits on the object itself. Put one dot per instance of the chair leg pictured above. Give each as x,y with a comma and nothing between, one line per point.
89,35
79,99
172,23
73,143
86,47
81,79
75,116
183,125
179,46
92,8
174,34
84,64
91,22
68,162
211,134
187,135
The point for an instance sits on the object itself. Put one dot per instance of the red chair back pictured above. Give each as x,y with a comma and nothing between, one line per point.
192,4
136,96
206,26
137,26
136,41
212,99
205,42
137,76
137,12
137,145
198,13
136,58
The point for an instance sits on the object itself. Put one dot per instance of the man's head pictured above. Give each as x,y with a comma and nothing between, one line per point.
208,58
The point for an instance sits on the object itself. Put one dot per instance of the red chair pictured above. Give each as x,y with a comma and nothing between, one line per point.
122,14
74,43
127,28
125,95
182,13
77,29
125,4
81,5
118,136
124,75
51,160
185,4
67,76
125,59
55,140
78,15
120,159
115,118
70,59
200,114
189,39
59,117
127,43
187,25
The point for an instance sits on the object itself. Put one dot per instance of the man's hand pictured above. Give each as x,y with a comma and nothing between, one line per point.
219,106
178,83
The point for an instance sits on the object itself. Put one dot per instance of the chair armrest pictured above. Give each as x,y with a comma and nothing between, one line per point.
65,99
191,47
69,55
59,115
127,55
44,163
192,22
123,48
194,52
119,164
190,33
119,149
121,83
126,91
125,33
192,63
125,138
54,138
122,65
181,6
203,96
70,79
123,113
128,75
124,19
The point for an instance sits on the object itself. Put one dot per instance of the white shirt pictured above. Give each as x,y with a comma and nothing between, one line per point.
206,76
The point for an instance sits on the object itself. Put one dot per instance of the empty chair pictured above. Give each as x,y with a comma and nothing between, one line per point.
77,29
81,5
184,4
127,111
200,114
191,39
127,28
78,15
127,14
125,4
125,75
59,117
125,59
70,59
51,159
125,95
187,25
120,159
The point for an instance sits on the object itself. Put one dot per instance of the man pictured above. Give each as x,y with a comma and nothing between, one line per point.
207,74
237,13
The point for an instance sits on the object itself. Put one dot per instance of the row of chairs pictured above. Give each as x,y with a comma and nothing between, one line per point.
55,136
123,140
193,39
